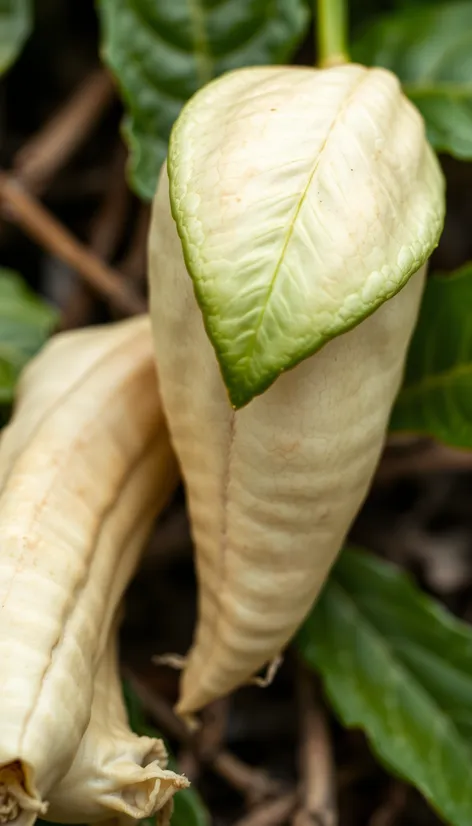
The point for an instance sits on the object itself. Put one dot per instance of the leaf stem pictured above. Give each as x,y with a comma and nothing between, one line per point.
332,33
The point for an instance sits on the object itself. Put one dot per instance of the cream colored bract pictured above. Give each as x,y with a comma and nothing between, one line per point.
85,466
115,773
273,488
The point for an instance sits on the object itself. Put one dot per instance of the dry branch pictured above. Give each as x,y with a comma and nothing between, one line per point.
253,783
272,813
316,762
47,151
106,230
36,221
390,811
422,457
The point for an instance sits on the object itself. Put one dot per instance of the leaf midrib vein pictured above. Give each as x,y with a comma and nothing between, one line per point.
291,229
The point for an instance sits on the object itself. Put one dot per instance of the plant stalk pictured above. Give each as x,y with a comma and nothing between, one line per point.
332,33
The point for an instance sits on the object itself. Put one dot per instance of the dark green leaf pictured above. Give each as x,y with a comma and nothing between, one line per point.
436,397
161,53
25,324
430,49
397,665
16,21
189,809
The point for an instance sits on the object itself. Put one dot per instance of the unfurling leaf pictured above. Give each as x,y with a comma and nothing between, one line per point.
430,49
436,397
397,665
161,53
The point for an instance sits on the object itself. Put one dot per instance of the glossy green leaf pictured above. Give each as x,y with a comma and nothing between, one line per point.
16,22
436,396
430,49
397,665
25,324
161,53
295,225
189,809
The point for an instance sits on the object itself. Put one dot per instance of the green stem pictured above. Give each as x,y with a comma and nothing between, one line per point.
332,32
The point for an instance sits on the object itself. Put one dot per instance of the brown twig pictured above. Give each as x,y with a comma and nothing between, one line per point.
213,729
109,222
134,264
25,211
106,230
189,765
423,457
210,739
387,814
253,783
272,813
315,759
48,150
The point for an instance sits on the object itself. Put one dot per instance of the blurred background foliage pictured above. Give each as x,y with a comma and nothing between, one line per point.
88,95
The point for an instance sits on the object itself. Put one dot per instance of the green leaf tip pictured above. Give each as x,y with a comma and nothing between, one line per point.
304,199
